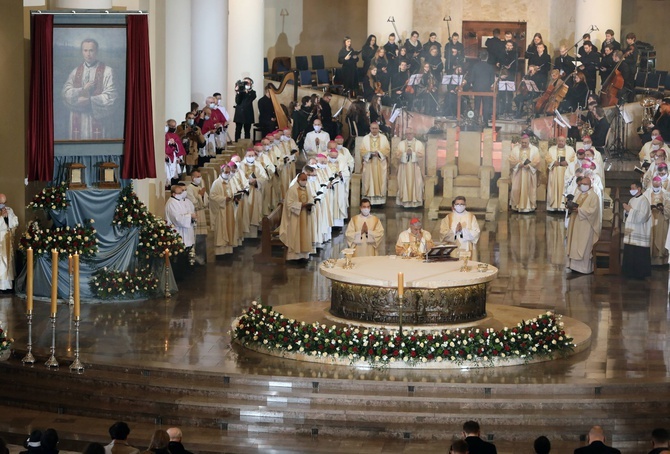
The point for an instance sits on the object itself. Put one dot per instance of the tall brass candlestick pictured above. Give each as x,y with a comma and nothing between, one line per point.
29,358
54,281
401,294
77,304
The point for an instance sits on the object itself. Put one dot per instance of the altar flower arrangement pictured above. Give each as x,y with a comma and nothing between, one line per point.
541,336
5,342
67,240
155,234
51,198
109,284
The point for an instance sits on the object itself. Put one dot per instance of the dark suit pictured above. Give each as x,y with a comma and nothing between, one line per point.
244,113
478,446
266,113
597,447
483,76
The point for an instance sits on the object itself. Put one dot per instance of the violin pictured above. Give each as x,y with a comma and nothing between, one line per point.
378,89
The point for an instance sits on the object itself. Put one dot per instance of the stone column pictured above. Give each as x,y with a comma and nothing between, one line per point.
177,59
245,56
603,14
379,12
209,49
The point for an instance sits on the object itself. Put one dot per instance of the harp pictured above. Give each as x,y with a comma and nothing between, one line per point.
281,113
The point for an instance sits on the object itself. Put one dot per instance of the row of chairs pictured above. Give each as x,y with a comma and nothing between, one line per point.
283,64
656,81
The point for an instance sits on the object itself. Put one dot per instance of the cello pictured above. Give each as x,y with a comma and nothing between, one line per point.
553,97
614,82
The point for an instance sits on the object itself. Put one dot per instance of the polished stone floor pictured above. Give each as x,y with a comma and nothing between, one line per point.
629,319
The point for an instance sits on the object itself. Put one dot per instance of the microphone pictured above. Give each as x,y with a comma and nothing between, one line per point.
390,19
446,19
594,28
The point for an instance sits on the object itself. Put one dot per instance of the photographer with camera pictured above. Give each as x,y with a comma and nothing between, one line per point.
174,153
583,228
244,109
193,142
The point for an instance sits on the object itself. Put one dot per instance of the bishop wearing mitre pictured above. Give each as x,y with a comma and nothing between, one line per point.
557,159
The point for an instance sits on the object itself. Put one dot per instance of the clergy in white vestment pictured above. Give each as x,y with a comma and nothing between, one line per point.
656,143
415,240
375,151
253,171
574,165
316,141
583,228
365,232
265,161
558,157
659,202
636,261
179,213
460,227
344,153
410,154
240,186
197,194
594,155
524,161
287,151
222,211
269,152
295,230
318,180
338,171
658,168
8,224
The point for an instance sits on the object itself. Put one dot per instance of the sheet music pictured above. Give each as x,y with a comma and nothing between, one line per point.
452,79
394,115
338,112
506,85
414,79
531,86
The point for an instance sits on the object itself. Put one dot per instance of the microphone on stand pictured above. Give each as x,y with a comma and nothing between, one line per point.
594,28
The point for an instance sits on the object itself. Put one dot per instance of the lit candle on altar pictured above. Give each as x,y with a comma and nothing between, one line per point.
167,257
54,280
29,281
77,306
401,285
69,263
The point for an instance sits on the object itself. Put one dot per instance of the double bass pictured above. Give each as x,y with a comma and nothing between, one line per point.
610,90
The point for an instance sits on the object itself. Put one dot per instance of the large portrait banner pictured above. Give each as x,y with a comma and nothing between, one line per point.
89,83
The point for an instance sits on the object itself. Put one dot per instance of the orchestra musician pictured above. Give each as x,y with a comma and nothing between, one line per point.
532,47
348,58
538,66
606,63
426,91
564,62
382,64
507,66
576,95
414,48
435,62
392,54
628,91
455,85
609,39
590,64
632,52
432,41
586,38
371,84
454,52
368,52
400,91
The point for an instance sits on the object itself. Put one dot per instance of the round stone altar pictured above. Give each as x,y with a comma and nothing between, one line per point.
435,292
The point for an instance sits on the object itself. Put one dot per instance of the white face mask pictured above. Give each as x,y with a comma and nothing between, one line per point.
365,212
285,138
656,190
664,177
167,128
584,187
206,117
212,105
459,208
322,166
225,176
587,146
655,147
633,192
250,159
654,137
339,147
267,147
197,181
302,183
311,178
317,128
190,121
332,159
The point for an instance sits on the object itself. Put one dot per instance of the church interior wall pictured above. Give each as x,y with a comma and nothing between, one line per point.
646,18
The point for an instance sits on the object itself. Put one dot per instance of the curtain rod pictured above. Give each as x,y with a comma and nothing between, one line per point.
89,12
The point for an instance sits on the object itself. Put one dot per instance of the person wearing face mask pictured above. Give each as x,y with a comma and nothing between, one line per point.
460,227
222,211
174,153
214,121
572,167
636,261
253,171
244,109
656,143
240,187
295,230
658,167
558,157
8,224
207,126
197,194
594,155
265,161
659,202
410,154
524,161
339,198
180,214
345,154
193,142
365,232
316,141
286,153
583,228
375,151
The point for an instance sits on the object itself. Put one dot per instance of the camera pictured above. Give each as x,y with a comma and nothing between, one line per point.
240,85
570,202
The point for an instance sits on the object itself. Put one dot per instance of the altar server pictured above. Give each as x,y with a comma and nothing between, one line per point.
524,161
222,210
460,227
197,194
180,214
636,261
365,232
8,224
583,228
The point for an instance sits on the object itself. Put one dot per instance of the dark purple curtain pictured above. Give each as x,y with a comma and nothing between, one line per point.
138,149
40,107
